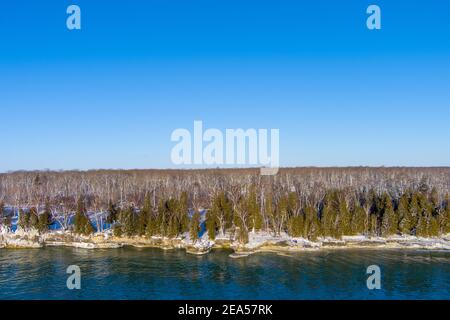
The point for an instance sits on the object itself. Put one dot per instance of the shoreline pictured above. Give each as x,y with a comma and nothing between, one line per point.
263,243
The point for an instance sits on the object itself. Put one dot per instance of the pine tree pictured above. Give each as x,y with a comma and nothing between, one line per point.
433,226
373,226
2,213
256,220
445,225
161,220
312,224
152,227
211,223
5,219
44,219
117,231
223,211
358,220
24,219
434,200
128,221
329,215
34,219
82,224
422,227
79,219
88,228
389,225
424,216
195,227
183,211
144,216
406,224
173,226
414,210
444,217
296,226
344,218
112,213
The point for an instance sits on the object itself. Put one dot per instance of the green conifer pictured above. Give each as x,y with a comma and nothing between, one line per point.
195,226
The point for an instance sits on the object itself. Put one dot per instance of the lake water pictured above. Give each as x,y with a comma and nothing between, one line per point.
132,273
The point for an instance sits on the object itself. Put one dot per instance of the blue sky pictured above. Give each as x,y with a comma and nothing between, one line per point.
110,95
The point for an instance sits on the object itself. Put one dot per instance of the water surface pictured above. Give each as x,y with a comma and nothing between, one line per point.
133,273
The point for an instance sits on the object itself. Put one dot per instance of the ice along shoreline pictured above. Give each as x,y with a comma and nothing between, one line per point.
258,242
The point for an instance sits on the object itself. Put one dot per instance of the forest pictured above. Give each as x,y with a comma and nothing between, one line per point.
302,202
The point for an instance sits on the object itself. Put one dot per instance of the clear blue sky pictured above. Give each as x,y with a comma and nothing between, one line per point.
109,95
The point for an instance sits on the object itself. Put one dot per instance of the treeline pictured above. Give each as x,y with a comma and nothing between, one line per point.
61,190
340,213
302,202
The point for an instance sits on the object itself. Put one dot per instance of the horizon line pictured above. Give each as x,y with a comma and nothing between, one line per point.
217,168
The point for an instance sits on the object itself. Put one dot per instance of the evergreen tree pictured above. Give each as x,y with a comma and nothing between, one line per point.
79,220
279,216
434,200
88,228
117,231
112,213
424,216
195,227
183,211
211,223
152,227
345,217
389,225
2,212
296,220
161,219
24,219
173,222
144,216
444,217
329,215
312,224
82,224
225,214
406,224
256,220
44,219
34,219
128,221
5,219
373,225
422,227
414,211
296,226
433,227
358,220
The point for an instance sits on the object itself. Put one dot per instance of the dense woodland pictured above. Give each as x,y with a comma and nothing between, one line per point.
302,202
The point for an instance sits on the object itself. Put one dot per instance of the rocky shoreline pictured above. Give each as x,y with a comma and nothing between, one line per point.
258,242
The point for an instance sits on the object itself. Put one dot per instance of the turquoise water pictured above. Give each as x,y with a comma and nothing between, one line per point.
132,273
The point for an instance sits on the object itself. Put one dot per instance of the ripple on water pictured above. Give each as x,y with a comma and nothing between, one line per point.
148,273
